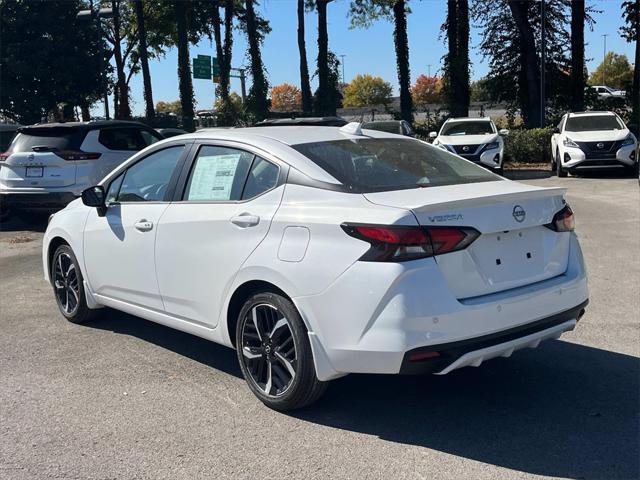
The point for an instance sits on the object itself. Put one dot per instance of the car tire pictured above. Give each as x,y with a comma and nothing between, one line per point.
274,353
561,172
68,287
499,171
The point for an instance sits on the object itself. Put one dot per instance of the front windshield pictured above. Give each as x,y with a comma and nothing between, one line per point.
467,128
591,123
380,164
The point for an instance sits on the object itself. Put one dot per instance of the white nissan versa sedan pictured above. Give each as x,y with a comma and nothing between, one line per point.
322,251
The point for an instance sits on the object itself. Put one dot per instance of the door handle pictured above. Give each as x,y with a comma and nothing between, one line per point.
245,220
143,225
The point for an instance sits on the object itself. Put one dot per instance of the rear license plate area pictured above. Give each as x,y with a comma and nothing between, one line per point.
34,172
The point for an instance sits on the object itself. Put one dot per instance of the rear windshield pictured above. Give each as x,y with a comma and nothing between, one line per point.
467,128
54,138
592,123
381,164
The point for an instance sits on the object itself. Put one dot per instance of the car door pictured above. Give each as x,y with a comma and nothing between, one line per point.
228,200
119,246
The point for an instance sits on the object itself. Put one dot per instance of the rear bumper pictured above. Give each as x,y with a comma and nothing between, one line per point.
474,351
36,200
374,314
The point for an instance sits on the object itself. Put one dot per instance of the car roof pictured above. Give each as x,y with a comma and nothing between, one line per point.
91,125
594,112
277,141
469,119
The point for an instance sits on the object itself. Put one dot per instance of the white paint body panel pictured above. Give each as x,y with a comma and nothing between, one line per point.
361,316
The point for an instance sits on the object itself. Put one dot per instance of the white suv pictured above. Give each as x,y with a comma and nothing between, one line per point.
48,165
592,140
475,139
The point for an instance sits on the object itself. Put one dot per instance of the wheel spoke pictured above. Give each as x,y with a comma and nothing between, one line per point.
254,315
71,267
58,285
287,364
279,324
60,266
267,386
251,352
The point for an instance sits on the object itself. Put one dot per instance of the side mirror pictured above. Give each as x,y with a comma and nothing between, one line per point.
433,135
555,130
94,197
504,132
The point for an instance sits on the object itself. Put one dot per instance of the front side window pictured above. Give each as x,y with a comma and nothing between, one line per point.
592,123
148,180
128,138
114,188
467,128
380,164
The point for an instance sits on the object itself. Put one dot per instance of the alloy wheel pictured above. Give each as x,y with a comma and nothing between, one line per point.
65,281
268,349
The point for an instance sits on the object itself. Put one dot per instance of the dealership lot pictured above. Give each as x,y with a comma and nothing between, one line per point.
125,398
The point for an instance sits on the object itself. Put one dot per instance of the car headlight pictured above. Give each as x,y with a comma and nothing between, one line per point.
491,145
570,143
629,140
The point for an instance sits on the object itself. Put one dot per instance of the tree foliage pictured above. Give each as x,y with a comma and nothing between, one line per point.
169,108
427,90
34,33
286,98
614,71
367,91
630,31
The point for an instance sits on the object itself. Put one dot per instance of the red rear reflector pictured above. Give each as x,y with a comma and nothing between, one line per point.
77,155
419,356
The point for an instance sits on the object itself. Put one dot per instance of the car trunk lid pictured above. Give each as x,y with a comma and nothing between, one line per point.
514,248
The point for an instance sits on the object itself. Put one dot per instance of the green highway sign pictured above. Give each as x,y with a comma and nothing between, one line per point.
202,67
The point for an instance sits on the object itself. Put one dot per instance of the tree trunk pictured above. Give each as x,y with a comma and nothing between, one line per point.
85,111
530,78
577,55
257,103
123,111
184,68
223,85
635,89
462,60
402,59
305,87
452,57
325,104
144,61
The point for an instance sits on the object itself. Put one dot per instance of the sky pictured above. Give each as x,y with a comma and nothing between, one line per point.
366,50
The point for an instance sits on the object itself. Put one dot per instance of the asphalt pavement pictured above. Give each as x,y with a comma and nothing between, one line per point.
123,398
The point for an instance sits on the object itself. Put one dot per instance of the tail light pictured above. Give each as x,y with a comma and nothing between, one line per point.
77,155
399,244
5,155
563,221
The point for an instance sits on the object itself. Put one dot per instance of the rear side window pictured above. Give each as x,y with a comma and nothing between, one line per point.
148,180
262,177
65,138
380,164
218,175
128,138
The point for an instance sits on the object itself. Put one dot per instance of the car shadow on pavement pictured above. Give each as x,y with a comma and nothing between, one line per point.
36,222
561,410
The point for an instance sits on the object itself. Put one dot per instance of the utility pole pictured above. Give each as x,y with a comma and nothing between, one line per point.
243,78
543,60
604,60
342,62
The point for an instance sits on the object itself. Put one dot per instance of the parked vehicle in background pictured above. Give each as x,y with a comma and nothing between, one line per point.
322,251
7,132
605,92
587,140
170,132
48,165
399,127
474,139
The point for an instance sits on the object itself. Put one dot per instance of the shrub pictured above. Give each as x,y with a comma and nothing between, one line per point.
528,146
